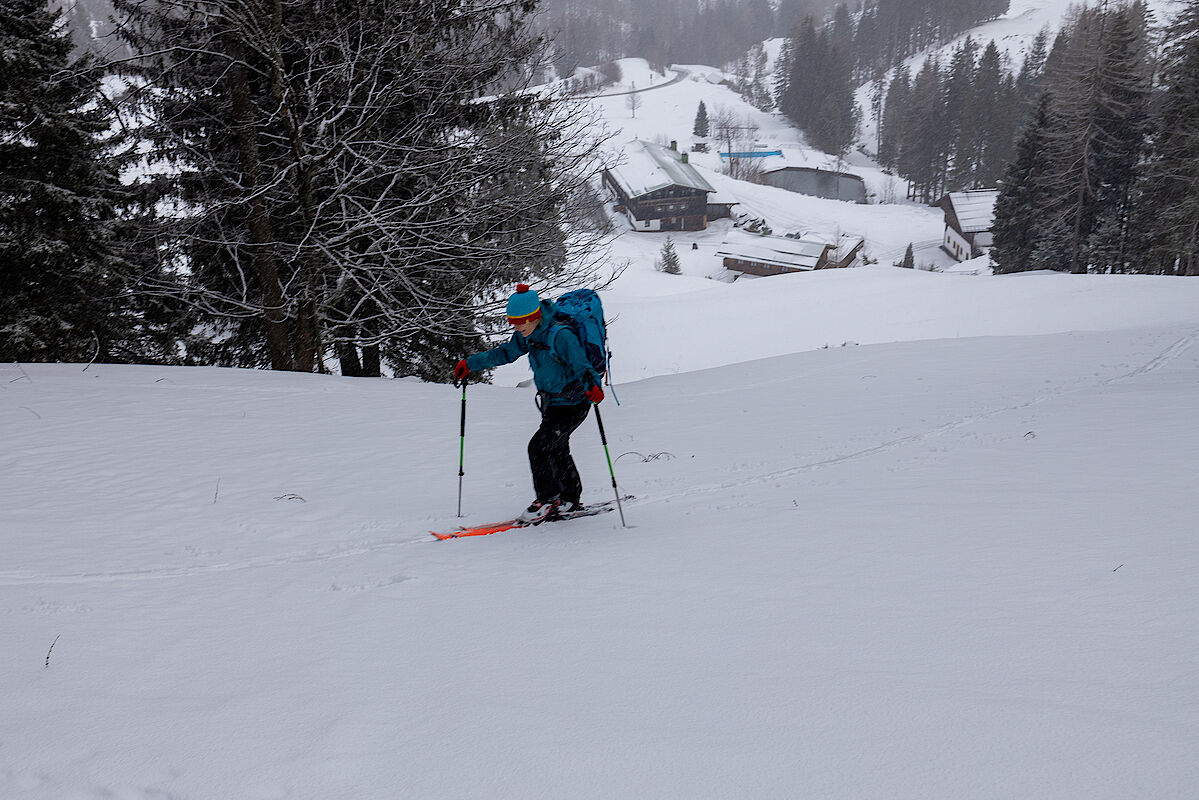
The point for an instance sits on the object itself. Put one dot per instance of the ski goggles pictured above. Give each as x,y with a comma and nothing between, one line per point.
526,318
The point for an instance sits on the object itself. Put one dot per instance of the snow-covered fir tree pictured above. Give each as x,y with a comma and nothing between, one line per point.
65,275
668,262
701,121
1021,196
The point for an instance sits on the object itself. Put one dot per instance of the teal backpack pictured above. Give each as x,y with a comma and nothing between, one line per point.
583,312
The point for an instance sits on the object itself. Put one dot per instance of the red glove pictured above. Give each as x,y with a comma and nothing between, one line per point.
595,394
461,370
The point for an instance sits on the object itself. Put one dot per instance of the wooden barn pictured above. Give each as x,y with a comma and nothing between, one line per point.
778,255
969,217
658,189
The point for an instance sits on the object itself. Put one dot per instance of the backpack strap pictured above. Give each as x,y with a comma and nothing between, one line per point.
552,336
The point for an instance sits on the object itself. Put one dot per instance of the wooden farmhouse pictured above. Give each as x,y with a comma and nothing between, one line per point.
778,255
969,217
658,189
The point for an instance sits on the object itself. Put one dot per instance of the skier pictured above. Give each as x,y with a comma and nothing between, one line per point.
567,385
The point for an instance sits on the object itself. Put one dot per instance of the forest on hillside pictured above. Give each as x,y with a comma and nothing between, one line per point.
719,32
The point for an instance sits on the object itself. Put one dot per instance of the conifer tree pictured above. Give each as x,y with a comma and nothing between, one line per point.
1168,204
669,262
962,128
836,123
867,43
1028,80
1022,197
1100,92
1125,119
977,118
817,93
759,90
64,285
701,121
999,138
925,145
799,93
891,135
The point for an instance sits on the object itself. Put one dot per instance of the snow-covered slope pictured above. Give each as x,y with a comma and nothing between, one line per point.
958,569
661,324
1015,30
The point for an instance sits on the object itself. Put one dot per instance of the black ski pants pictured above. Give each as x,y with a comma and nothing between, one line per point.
554,472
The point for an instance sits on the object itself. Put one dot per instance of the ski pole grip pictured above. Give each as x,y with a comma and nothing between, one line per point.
462,426
600,420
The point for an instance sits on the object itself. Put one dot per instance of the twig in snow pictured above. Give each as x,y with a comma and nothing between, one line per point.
217,492
291,497
24,374
51,650
646,459
31,411
96,354
1117,568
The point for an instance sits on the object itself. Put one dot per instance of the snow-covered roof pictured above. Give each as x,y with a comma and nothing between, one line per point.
649,167
780,250
975,209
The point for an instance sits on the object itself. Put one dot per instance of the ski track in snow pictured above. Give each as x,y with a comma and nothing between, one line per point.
1157,362
1171,353
1162,359
266,562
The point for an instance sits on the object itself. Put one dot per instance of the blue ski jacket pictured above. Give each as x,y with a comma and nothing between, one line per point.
561,370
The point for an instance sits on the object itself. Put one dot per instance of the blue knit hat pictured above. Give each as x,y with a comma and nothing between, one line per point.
524,305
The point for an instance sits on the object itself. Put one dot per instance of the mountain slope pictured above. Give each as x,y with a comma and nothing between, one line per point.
957,568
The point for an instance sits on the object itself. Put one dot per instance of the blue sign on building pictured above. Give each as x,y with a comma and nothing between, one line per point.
753,154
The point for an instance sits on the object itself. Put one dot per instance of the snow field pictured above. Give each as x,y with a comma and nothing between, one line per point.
954,568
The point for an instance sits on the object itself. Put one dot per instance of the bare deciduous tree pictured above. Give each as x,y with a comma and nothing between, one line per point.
357,179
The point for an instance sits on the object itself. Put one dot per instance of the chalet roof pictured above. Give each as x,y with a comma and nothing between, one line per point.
778,250
649,167
975,209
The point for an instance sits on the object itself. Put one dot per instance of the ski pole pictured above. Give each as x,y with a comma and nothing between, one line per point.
461,448
608,455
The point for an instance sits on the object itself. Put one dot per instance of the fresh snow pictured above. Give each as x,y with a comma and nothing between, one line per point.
899,534
959,568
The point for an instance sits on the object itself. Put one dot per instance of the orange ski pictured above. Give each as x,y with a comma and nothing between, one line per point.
511,524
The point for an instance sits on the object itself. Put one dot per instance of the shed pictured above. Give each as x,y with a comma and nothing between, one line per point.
815,182
778,255
720,206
